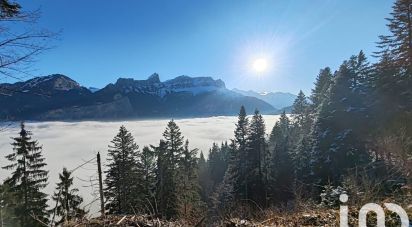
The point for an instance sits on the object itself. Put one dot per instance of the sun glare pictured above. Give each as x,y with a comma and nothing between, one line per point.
260,65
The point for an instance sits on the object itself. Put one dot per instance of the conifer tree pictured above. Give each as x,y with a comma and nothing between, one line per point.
148,164
224,197
123,179
256,159
398,44
339,142
301,114
395,68
322,84
240,142
7,206
169,153
189,197
28,178
67,200
217,163
302,118
205,181
281,165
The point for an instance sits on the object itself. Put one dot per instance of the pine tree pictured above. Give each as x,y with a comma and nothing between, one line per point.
256,159
205,181
339,142
399,43
281,165
27,180
224,198
217,163
396,57
8,203
240,141
322,84
123,179
302,118
148,165
189,197
301,113
67,200
169,153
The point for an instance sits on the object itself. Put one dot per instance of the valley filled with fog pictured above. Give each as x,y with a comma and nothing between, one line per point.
69,144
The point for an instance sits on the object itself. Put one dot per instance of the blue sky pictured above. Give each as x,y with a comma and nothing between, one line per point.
103,40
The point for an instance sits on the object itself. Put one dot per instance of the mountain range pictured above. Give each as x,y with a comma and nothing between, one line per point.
58,97
279,100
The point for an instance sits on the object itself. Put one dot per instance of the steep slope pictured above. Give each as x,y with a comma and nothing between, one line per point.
24,100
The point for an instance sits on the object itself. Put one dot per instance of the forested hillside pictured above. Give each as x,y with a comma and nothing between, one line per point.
352,135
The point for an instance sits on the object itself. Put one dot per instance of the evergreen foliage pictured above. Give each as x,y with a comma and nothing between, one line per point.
28,179
123,176
67,200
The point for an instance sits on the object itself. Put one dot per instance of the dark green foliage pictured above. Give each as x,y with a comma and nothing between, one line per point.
223,198
28,179
124,175
281,168
169,153
339,129
205,181
322,84
8,202
256,159
67,200
189,198
148,165
394,70
238,170
217,163
302,121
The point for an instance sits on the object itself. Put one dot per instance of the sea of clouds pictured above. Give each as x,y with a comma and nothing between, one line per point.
69,144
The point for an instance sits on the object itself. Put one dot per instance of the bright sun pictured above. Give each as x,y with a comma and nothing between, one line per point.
260,65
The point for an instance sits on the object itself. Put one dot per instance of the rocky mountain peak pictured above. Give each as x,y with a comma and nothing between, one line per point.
54,81
154,78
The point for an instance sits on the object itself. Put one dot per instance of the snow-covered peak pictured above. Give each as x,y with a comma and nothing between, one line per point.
186,81
55,81
154,86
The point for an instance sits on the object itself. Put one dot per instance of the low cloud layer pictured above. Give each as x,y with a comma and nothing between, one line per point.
69,144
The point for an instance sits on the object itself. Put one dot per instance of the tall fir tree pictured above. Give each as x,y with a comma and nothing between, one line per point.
169,153
256,159
8,202
396,57
301,114
223,198
28,178
67,199
322,85
205,181
123,178
339,142
148,164
302,120
217,163
189,198
239,170
281,165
